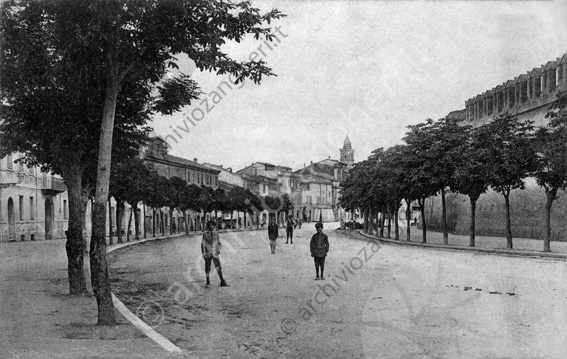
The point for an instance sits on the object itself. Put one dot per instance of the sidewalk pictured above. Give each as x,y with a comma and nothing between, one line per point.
522,246
38,319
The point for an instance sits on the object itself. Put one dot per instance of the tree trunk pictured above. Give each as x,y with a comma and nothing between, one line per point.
370,215
421,203
99,270
136,222
509,243
144,221
110,240
119,220
389,221
75,246
129,224
396,226
550,197
408,220
171,221
444,217
473,222
153,222
382,220
85,200
186,222
244,220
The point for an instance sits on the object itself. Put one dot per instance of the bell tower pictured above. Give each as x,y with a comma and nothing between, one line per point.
347,153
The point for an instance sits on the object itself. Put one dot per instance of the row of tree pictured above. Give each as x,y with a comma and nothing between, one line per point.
134,182
448,155
81,78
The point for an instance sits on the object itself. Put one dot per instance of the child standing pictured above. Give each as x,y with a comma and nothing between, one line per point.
319,247
210,249
273,234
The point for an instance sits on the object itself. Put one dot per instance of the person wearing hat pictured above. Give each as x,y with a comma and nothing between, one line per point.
210,249
319,247
273,234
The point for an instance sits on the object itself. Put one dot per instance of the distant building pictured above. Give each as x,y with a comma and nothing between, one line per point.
265,179
347,153
526,96
155,154
331,173
33,204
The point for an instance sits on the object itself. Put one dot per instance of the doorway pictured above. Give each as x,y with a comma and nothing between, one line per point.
48,219
11,221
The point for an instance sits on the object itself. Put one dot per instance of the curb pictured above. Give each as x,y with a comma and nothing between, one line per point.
131,317
519,253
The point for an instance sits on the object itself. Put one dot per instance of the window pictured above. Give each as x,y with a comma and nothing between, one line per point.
65,212
32,217
10,164
21,208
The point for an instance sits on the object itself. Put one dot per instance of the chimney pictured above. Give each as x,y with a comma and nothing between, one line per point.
194,160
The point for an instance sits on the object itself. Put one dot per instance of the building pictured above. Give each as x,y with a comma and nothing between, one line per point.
261,178
347,153
331,173
227,179
155,154
33,204
526,96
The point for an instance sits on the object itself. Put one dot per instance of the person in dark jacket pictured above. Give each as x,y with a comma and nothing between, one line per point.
273,234
289,230
319,248
210,249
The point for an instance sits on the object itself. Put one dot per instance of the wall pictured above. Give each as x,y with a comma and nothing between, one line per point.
526,212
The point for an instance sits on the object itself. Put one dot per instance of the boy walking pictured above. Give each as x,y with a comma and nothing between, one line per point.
210,249
273,234
319,248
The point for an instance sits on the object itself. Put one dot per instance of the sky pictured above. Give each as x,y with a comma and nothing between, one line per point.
363,68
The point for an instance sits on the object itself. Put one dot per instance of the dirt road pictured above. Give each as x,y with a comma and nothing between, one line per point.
378,301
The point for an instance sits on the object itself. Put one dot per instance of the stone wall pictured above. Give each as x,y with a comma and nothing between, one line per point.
526,211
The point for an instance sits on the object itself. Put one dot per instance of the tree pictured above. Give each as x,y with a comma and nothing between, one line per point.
510,157
435,142
119,42
551,146
472,175
419,169
51,106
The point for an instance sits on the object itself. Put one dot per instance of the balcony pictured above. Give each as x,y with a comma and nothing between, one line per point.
53,187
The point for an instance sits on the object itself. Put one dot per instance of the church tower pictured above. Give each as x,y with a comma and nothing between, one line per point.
347,153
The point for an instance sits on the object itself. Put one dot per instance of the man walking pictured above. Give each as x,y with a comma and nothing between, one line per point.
211,248
273,234
319,247
289,230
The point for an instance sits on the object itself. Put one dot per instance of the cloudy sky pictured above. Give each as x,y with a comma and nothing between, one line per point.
366,68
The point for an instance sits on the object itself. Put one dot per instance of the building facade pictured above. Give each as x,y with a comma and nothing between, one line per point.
527,97
33,204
